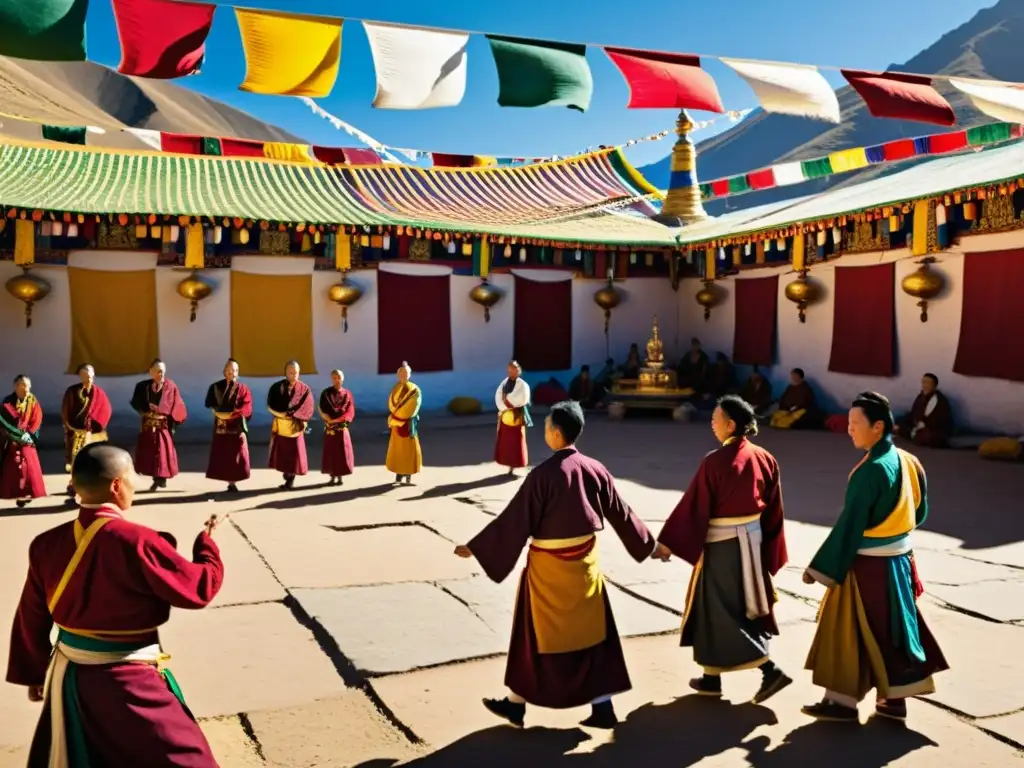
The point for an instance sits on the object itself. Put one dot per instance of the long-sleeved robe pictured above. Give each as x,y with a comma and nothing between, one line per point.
930,421
122,590
870,632
85,415
292,407
565,650
729,526
693,370
798,408
405,457
162,411
231,403
21,476
758,394
338,410
512,399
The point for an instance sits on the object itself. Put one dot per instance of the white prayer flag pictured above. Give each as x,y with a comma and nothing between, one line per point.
148,137
789,89
788,173
417,68
1003,101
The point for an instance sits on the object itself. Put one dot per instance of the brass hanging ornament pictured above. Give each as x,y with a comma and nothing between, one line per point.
486,295
802,292
344,294
924,284
608,298
28,288
195,289
708,297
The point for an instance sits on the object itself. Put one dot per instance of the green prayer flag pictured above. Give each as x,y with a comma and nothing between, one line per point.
738,184
813,169
706,191
988,134
211,146
537,73
64,134
44,30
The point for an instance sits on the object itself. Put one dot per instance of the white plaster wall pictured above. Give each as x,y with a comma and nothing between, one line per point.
195,352
984,404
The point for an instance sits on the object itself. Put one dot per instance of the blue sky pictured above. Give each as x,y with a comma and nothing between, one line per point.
866,34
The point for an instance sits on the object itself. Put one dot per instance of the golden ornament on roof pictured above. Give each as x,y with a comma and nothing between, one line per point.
802,292
708,297
28,288
195,289
923,284
486,295
344,294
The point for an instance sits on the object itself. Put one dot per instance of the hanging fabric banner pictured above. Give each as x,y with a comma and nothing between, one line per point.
788,173
537,73
417,68
64,134
292,153
288,54
789,89
147,136
162,39
901,97
848,160
1003,101
43,30
666,80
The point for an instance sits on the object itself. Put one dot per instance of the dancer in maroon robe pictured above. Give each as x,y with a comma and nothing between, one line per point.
930,421
565,650
159,403
512,399
729,527
21,477
337,409
231,403
108,584
291,404
85,411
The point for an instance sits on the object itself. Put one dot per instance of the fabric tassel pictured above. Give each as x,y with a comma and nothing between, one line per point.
343,253
451,248
24,242
710,265
194,248
737,256
385,242
762,245
485,257
364,241
798,257
174,233
72,230
970,211
141,231
58,228
919,245
218,235
307,243
941,227
780,244
243,236
508,252
522,255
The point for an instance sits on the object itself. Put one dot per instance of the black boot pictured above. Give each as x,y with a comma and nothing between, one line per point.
507,710
289,483
601,716
894,709
831,711
232,488
161,482
773,680
707,685
155,486
398,481
22,503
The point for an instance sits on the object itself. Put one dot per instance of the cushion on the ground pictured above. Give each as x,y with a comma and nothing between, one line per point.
549,393
838,422
968,441
465,406
1001,448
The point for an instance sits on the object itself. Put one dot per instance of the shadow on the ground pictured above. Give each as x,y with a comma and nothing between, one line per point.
336,497
451,489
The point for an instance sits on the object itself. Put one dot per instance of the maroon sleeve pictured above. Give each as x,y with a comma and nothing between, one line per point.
349,412
100,411
687,527
30,636
941,419
773,534
635,536
304,410
498,546
243,402
181,582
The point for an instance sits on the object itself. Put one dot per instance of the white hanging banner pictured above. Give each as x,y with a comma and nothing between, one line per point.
789,89
417,68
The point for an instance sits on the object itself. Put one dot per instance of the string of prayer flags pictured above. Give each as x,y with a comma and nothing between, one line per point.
538,73
288,54
666,80
292,153
417,68
162,39
901,97
848,160
43,30
1003,101
64,134
789,89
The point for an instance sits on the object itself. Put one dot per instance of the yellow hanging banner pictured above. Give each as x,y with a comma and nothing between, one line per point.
293,153
485,257
24,242
343,252
799,251
289,54
919,245
709,264
194,247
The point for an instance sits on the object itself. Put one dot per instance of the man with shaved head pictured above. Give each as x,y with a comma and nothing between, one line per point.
21,476
108,584
291,403
85,411
158,402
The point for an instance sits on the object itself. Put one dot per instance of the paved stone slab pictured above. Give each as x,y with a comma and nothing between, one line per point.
954,569
240,658
398,627
1008,554
334,733
999,600
492,603
635,617
1010,726
230,744
668,594
14,756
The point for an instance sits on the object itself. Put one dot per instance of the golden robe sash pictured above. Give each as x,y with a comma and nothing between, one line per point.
567,602
786,419
81,438
153,422
513,417
286,426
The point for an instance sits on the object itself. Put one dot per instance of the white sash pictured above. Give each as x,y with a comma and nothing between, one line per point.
748,531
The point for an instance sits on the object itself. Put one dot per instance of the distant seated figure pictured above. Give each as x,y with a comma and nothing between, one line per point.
930,421
606,376
631,368
797,407
584,389
693,368
721,378
758,392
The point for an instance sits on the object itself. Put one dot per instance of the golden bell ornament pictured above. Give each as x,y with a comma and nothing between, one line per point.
28,288
708,297
608,298
344,294
486,295
924,284
195,289
803,293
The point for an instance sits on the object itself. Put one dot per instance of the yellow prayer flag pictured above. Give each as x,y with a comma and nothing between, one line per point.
484,161
709,264
799,250
194,247
920,242
24,242
759,253
848,160
343,252
485,257
292,153
737,256
289,54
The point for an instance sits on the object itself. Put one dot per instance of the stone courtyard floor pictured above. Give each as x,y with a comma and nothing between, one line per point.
347,633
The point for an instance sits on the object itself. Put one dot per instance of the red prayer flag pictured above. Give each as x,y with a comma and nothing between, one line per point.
901,149
763,179
162,39
902,97
181,144
720,187
666,80
443,160
357,156
947,142
241,148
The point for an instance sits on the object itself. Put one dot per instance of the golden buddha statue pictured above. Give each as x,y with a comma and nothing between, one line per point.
655,350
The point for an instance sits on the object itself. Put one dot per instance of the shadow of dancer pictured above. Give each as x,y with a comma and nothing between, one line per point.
452,489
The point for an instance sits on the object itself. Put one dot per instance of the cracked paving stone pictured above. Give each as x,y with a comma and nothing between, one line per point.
1009,726
955,570
999,600
230,743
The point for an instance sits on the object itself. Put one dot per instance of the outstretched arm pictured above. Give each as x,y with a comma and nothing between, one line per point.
498,546
30,635
181,582
631,530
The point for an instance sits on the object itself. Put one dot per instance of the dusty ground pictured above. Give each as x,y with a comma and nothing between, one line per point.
347,634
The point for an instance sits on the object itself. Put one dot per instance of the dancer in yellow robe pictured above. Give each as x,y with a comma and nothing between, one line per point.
404,458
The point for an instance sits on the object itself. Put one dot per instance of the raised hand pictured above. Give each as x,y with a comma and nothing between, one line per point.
213,522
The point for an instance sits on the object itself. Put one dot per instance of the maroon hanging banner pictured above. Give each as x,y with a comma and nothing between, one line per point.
543,324
754,333
991,319
864,327
414,322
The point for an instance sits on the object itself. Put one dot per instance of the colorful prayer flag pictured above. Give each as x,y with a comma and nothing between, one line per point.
848,160
789,89
43,30
947,142
666,80
289,54
538,73
64,134
989,134
1003,101
417,68
241,148
162,39
901,97
788,173
147,136
292,153
762,179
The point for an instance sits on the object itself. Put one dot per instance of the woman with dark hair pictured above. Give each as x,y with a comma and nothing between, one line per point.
729,526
